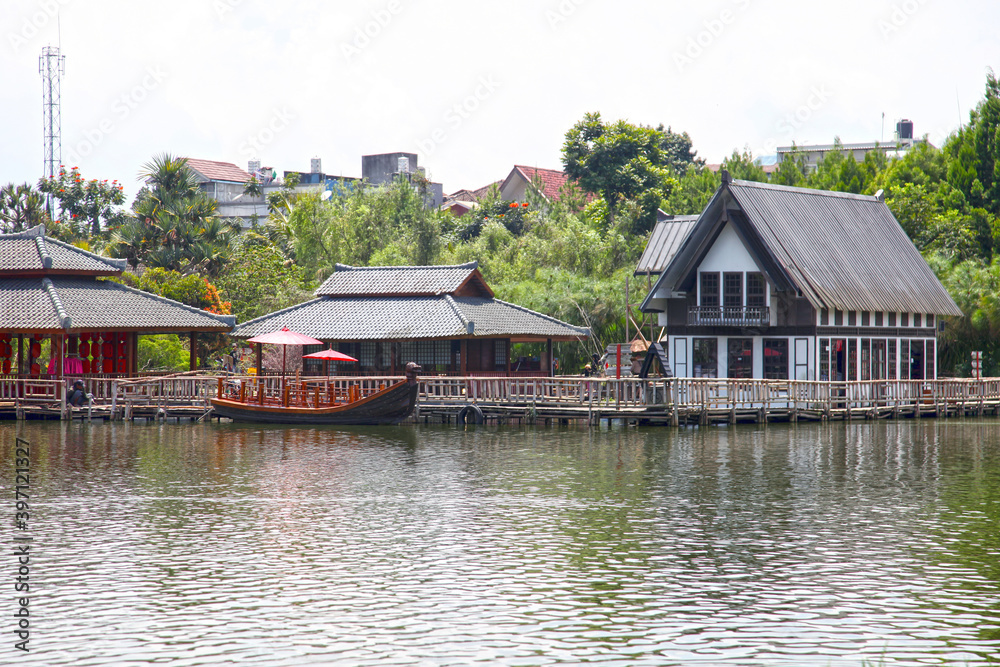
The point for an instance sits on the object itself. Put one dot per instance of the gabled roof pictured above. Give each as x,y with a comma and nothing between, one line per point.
411,318
663,244
211,170
460,279
31,252
61,304
552,180
841,251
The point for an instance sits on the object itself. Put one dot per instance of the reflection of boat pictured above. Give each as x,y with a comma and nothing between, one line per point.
388,405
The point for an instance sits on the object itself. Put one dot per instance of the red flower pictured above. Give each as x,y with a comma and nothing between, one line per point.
525,204
513,204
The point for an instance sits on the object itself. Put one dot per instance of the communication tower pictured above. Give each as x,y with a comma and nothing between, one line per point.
51,66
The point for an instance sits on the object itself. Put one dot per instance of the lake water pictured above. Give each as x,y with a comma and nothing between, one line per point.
204,544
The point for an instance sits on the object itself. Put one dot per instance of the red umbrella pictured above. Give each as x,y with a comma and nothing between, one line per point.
285,337
328,356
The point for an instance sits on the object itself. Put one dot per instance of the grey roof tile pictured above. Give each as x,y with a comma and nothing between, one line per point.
88,303
395,280
31,250
408,318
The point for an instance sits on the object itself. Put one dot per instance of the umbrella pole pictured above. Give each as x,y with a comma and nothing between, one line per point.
284,350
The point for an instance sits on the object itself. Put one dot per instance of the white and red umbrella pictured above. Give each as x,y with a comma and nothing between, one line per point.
284,337
328,356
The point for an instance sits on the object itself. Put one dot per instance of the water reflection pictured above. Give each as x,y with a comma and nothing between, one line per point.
796,544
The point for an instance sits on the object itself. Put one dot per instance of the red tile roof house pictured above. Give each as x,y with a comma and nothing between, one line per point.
513,188
224,182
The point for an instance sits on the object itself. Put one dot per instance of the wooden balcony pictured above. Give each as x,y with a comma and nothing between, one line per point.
751,316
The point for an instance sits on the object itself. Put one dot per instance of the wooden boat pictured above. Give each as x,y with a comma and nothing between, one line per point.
389,405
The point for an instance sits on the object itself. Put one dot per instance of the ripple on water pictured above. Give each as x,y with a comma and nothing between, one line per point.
198,545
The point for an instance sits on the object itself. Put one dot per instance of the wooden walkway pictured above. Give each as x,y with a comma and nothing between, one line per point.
675,401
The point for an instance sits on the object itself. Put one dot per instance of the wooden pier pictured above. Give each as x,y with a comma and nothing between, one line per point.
674,401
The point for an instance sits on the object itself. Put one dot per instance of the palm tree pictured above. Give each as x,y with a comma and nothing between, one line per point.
21,207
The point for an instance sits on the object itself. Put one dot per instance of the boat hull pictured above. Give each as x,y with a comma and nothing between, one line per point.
388,406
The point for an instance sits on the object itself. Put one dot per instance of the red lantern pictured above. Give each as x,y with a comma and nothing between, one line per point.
36,350
85,335
108,349
121,336
5,350
38,336
109,366
84,350
86,365
35,369
6,366
121,349
121,365
5,336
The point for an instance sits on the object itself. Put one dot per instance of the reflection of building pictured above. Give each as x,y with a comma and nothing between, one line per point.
780,282
813,155
57,310
443,317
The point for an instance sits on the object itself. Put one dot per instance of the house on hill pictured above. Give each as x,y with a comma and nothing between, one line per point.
57,317
445,318
791,283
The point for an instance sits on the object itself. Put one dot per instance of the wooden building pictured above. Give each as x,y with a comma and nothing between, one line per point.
58,317
443,317
791,283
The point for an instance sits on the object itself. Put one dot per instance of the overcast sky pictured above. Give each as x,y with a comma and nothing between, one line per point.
475,88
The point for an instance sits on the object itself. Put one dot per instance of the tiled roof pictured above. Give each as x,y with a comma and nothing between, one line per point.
61,303
32,251
398,280
409,318
552,180
218,171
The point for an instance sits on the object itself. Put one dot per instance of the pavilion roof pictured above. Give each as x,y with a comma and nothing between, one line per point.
31,252
64,304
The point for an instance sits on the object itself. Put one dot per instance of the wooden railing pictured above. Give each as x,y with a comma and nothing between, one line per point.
592,393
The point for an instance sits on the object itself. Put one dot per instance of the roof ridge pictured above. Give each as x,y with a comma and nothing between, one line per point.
43,253
225,319
586,330
474,264
470,325
31,232
65,321
801,190
278,312
119,264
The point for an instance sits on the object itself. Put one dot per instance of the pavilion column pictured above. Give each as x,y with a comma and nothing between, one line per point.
260,359
508,356
193,342
548,353
132,350
464,354
20,354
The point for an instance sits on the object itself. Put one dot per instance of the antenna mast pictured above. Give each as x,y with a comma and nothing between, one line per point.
51,66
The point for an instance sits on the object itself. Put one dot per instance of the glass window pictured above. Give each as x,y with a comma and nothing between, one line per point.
904,320
732,290
916,320
706,357
852,359
878,319
929,356
709,290
838,318
776,358
930,320
865,318
500,354
824,317
878,360
916,360
756,297
741,357
866,359
892,319
852,318
891,358
824,359
904,360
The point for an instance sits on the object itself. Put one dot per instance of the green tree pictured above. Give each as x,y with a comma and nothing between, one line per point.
21,207
743,166
87,207
259,279
623,163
